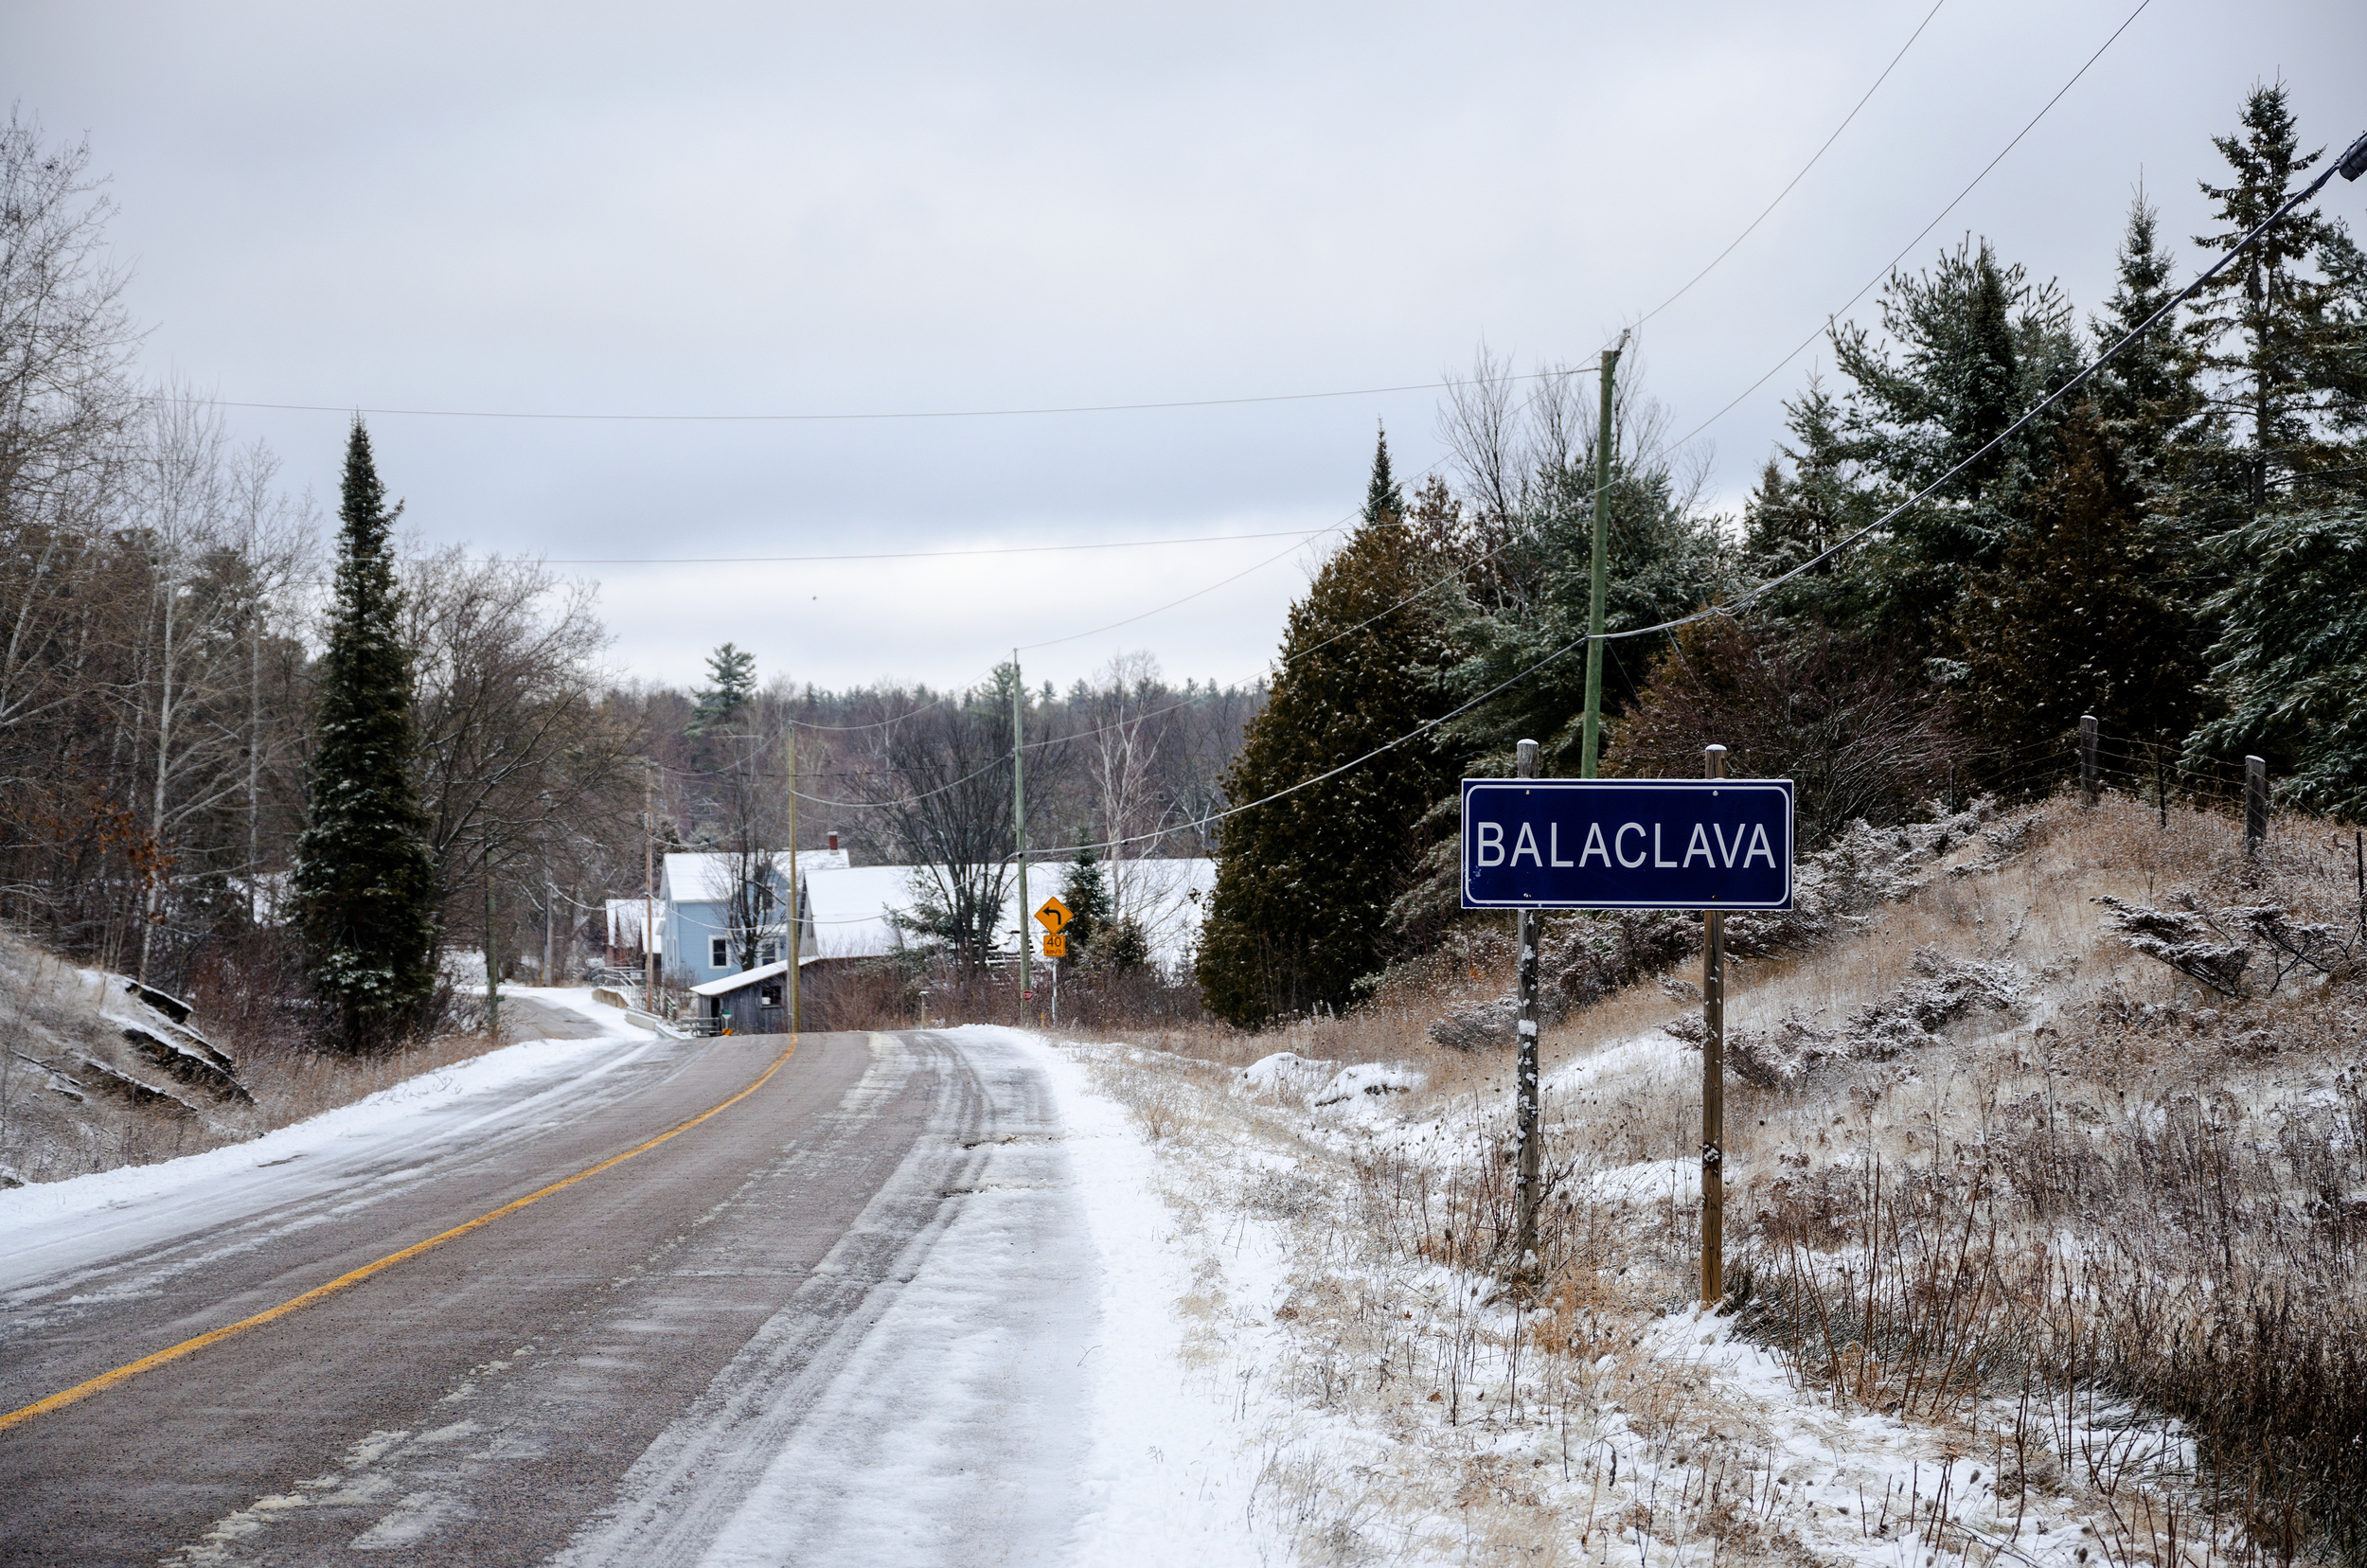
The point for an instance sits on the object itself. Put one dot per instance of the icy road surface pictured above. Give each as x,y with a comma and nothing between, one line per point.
903,1304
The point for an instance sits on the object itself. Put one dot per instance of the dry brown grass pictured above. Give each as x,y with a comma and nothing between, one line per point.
2035,1238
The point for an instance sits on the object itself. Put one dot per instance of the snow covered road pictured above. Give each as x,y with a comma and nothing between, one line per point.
902,1304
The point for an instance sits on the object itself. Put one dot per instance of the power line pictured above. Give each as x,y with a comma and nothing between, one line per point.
1893,264
1771,370
1804,171
807,419
2359,149
1997,441
918,554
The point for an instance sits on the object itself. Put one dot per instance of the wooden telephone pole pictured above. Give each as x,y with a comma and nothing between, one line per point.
648,886
1713,1079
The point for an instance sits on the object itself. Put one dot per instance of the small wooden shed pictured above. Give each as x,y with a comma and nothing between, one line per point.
752,1002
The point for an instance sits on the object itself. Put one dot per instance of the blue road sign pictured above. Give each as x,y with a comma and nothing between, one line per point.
1627,843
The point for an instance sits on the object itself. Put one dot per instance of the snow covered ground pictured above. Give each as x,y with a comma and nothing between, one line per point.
345,1156
1153,1319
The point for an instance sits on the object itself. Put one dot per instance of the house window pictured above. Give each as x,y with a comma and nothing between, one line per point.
718,952
769,951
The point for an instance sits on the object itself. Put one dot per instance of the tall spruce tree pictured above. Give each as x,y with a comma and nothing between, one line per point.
2282,339
2146,397
734,671
363,885
1977,342
2284,347
1304,883
1792,517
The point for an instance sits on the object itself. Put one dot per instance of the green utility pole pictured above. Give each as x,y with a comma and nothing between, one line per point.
1595,605
1019,828
794,946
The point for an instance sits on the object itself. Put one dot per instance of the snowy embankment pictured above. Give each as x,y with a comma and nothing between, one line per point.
1398,1405
376,1141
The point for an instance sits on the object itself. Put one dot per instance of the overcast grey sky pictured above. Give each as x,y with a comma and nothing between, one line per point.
874,210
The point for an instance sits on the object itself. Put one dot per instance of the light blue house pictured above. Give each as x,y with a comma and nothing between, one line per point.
694,893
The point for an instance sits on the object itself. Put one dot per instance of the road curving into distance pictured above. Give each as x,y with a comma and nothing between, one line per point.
577,1316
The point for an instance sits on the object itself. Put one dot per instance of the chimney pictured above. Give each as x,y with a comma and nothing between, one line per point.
834,843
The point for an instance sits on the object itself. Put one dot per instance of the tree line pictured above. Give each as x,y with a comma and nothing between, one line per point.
288,765
1121,767
2179,549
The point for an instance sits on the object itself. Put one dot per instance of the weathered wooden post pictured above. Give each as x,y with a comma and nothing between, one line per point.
1526,1092
2088,759
1713,1079
2255,803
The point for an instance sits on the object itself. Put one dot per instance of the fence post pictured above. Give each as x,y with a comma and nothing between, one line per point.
2087,758
1524,1094
2255,803
1713,1080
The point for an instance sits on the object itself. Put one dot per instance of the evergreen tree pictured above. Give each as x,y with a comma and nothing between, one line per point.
1304,883
365,889
2147,395
1793,517
1087,895
2087,612
2282,335
1384,501
1979,344
734,674
2292,656
2278,331
1663,560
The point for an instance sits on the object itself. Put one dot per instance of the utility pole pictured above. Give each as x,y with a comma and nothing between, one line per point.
795,929
648,885
1589,746
1525,1093
492,966
1713,1081
550,918
1019,828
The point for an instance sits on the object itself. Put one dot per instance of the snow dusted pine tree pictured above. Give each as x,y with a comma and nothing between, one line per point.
365,889
1304,884
2283,332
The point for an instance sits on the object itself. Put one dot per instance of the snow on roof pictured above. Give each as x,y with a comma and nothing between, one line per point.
624,921
851,908
745,977
697,878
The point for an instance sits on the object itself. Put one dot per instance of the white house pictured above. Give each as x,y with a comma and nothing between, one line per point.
849,910
694,895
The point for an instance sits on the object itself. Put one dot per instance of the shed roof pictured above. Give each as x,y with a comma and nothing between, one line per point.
744,978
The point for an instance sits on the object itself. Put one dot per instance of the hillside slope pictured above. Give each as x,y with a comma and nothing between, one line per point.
2043,1213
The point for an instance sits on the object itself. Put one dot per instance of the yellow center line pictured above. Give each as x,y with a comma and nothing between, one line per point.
345,1281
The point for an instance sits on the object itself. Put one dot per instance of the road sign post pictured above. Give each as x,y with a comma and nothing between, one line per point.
1525,1107
1712,844
1713,1079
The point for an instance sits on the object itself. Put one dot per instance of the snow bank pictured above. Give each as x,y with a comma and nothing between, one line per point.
1283,1072
570,1062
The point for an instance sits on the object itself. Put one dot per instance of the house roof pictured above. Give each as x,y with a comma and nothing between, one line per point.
707,878
624,921
852,909
744,978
